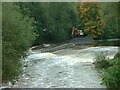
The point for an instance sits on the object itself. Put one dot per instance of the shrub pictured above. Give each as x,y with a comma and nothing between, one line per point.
117,55
111,72
17,36
101,61
112,75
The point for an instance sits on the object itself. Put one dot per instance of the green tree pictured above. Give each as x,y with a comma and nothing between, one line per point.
18,35
54,20
110,17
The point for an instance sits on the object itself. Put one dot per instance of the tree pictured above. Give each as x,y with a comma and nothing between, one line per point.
54,20
90,19
18,35
110,17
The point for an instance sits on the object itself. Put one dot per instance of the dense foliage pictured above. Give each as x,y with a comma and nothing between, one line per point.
54,20
110,69
17,37
99,20
110,17
101,61
90,19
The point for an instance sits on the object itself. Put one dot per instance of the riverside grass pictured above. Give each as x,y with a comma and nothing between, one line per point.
109,69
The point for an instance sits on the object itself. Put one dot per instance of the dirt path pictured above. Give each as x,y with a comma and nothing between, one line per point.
67,68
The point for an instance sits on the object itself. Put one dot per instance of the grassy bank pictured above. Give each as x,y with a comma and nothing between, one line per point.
109,70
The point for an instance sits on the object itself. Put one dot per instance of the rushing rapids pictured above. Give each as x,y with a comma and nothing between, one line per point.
66,68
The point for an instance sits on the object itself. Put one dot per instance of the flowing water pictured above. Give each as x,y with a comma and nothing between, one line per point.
66,68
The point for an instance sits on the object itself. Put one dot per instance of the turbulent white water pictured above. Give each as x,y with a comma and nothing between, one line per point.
67,68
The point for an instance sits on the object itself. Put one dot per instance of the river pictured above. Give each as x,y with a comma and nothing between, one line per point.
70,67
66,68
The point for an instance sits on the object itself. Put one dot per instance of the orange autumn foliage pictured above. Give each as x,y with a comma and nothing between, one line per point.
93,31
90,18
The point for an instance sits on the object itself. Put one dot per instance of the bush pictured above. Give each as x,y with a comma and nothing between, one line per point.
17,37
101,61
111,72
117,56
112,77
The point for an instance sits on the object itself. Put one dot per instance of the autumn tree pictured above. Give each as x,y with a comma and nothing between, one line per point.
90,19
